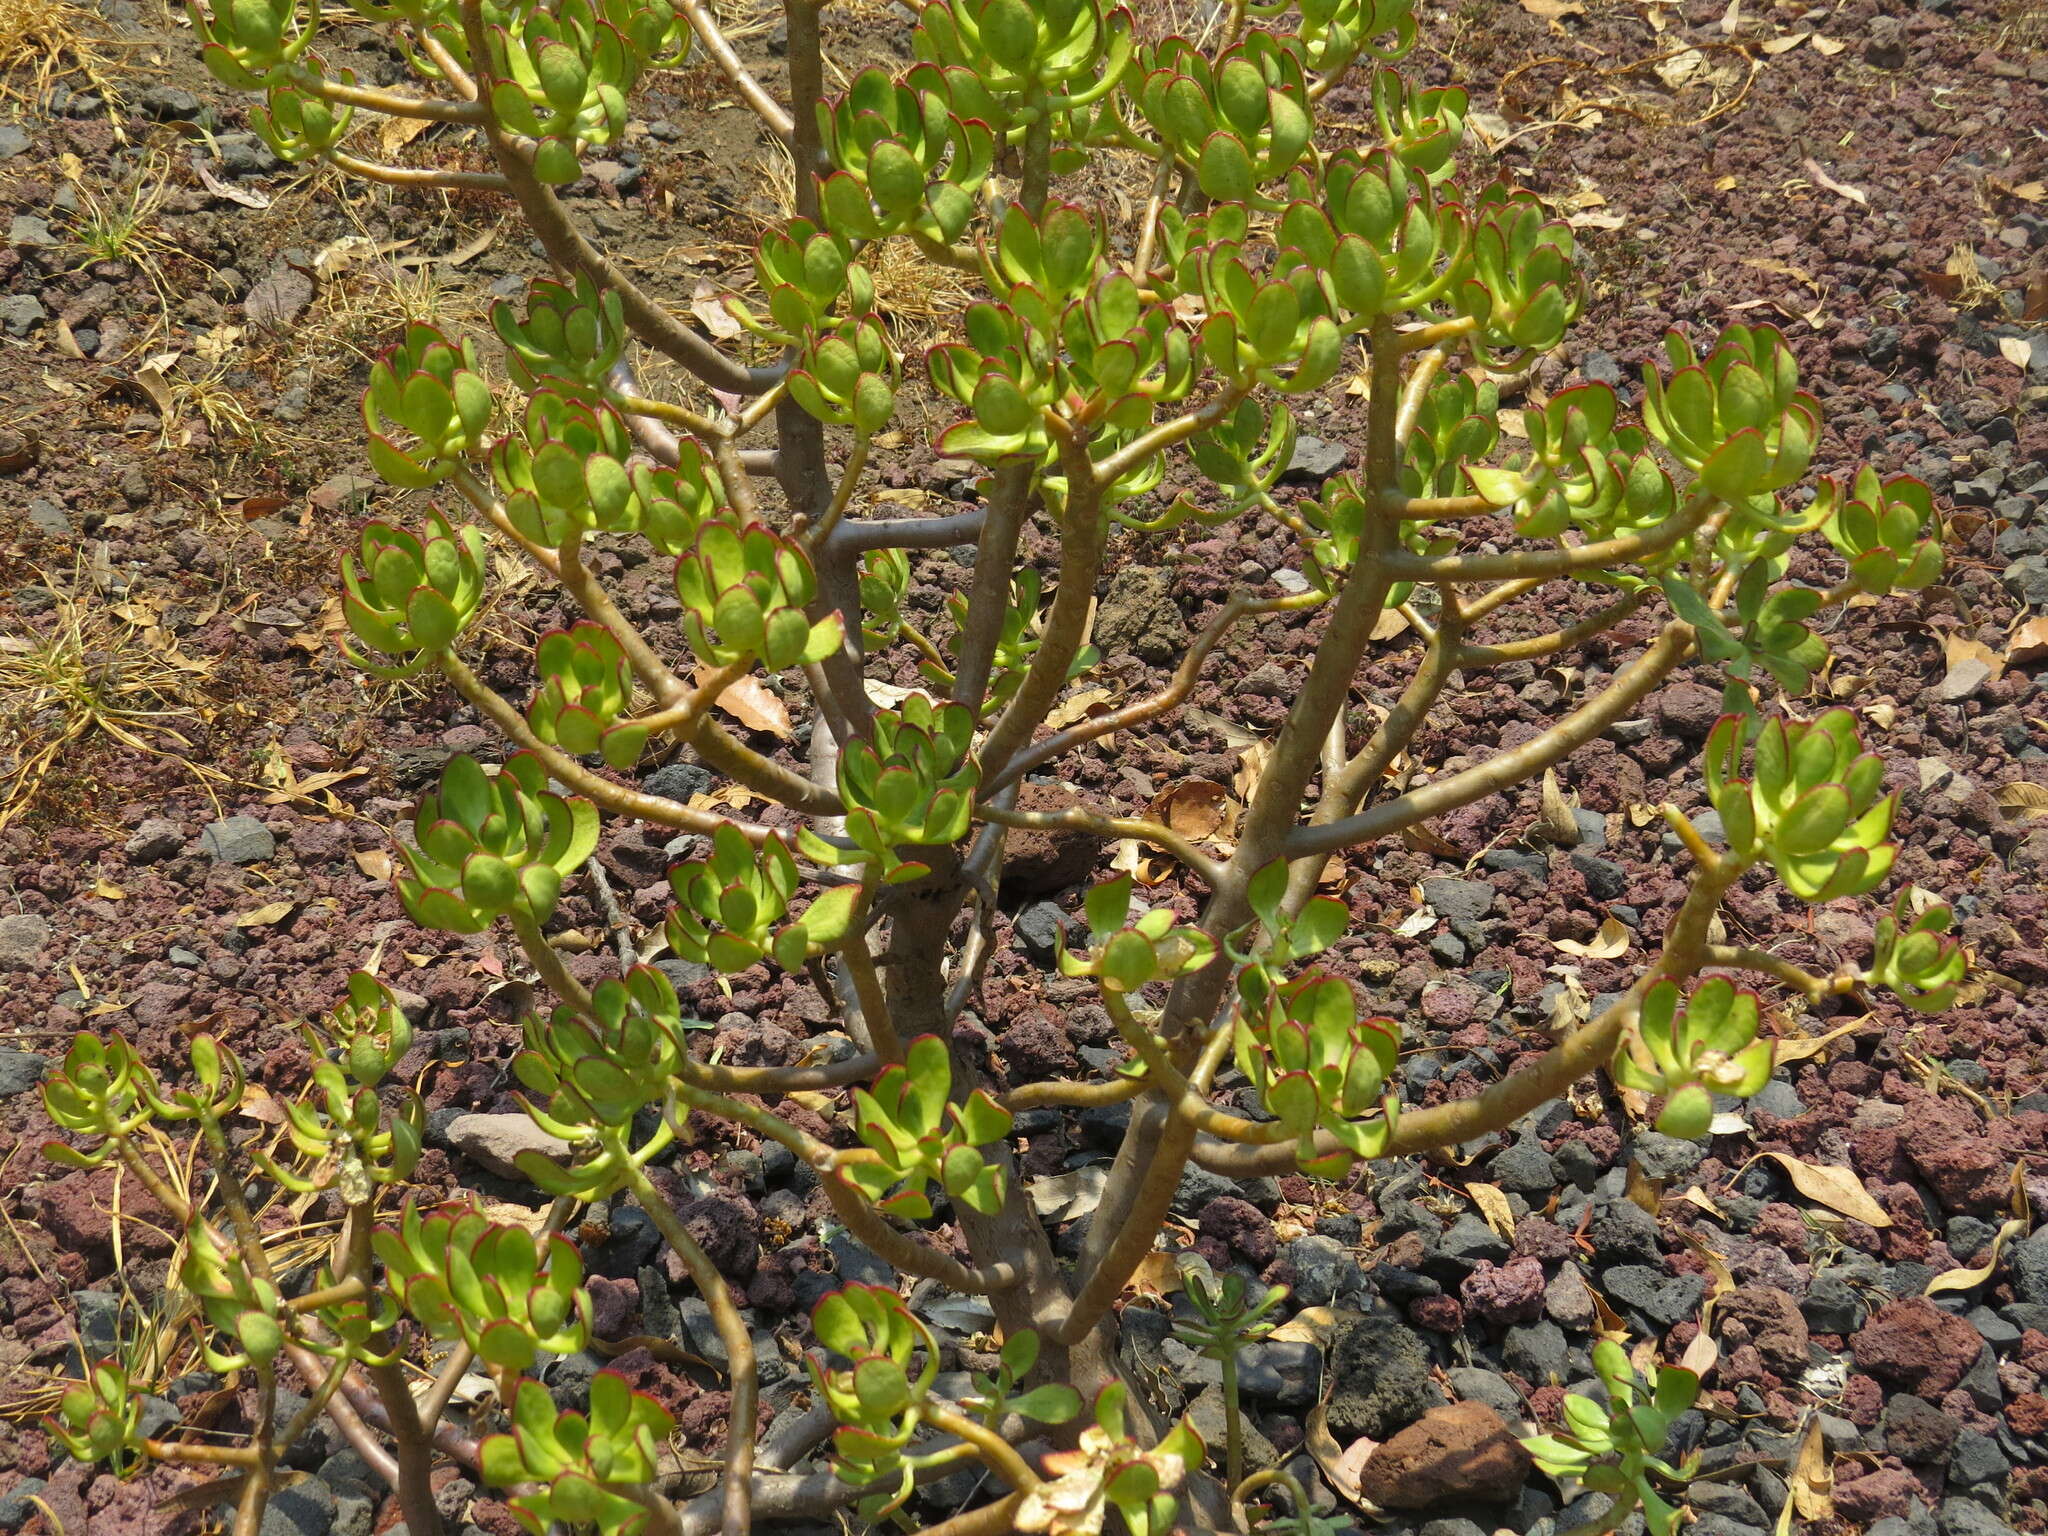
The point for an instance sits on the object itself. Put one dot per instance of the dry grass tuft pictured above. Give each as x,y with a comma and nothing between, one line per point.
46,40
91,676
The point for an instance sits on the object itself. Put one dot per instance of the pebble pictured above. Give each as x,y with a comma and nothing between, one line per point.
22,937
238,840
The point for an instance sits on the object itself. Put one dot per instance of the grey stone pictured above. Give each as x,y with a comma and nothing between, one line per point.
155,839
12,142
1966,1517
1525,1169
46,517
20,1071
569,1379
1380,1371
15,1505
1605,879
1666,1157
1282,1371
1469,1239
21,313
306,1508
1833,1305
22,937
1324,1270
1664,1299
1459,900
2028,1263
1592,828
1519,861
279,297
1537,1352
1206,1414
1977,1460
1475,1385
167,103
678,781
1568,1300
29,233
1038,928
1623,1232
244,154
1448,950
1314,459
493,1141
238,840
2026,578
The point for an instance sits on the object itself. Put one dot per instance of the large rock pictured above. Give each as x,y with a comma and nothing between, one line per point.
1914,1345
1138,617
1773,1321
1381,1375
1960,1164
493,1141
1457,1453
1046,863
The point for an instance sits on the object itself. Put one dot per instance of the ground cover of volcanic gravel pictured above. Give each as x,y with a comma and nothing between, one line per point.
1870,177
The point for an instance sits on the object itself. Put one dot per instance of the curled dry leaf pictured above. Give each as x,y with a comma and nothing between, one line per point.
1609,943
1555,820
1800,1047
1839,1189
1200,809
1812,1481
1969,1277
2029,643
1342,1469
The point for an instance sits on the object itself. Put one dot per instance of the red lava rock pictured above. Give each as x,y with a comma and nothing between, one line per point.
1437,1314
729,1231
1509,1293
1862,1401
1913,1344
1242,1226
1960,1164
1461,1451
1774,1321
78,1212
1887,1491
613,1305
2027,1414
1688,710
1035,1050
495,1518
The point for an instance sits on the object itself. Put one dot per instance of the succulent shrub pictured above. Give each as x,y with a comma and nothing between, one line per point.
1124,372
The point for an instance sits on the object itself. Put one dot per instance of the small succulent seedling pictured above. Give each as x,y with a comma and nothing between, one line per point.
1615,1447
1128,373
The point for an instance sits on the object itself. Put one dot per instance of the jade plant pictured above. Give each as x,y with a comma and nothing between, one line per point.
1126,376
1615,1447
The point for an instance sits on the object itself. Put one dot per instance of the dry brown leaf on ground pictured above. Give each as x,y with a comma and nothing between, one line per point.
2016,350
1609,943
2021,800
1827,183
267,914
1493,1205
1200,809
1555,820
749,702
1837,1188
2029,643
1812,1481
1079,706
1969,1277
